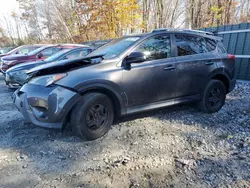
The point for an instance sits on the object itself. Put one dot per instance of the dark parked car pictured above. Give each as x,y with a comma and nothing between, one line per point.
18,75
25,49
129,75
38,54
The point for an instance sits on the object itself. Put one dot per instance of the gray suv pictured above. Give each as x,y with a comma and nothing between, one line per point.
128,75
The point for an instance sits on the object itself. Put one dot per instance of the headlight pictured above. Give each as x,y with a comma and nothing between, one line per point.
17,73
47,80
8,62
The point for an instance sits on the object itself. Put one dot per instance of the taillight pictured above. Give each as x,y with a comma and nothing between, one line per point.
230,56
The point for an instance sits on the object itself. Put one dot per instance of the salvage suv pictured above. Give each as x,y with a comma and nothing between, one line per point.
128,75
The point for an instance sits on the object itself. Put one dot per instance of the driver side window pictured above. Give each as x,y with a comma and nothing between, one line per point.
72,55
49,51
157,47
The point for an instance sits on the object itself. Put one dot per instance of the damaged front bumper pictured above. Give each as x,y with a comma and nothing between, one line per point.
45,106
11,78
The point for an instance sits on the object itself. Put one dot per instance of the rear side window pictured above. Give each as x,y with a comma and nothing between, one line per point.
189,45
211,45
157,47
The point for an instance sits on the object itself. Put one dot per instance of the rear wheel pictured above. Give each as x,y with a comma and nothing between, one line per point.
213,97
93,116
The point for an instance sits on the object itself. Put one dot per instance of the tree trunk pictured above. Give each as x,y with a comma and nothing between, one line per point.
228,12
192,5
145,15
173,14
219,20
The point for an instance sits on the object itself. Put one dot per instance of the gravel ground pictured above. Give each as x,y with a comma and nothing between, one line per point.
172,147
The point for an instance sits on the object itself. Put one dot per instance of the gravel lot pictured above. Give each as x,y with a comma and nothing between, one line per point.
173,147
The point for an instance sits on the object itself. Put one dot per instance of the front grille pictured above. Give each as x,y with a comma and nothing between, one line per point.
3,67
7,77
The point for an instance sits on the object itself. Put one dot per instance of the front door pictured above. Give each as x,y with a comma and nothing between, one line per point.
153,80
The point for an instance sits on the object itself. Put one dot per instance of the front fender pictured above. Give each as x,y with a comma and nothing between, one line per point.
104,86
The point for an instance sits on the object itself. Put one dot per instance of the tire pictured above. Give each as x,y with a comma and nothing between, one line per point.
93,116
213,97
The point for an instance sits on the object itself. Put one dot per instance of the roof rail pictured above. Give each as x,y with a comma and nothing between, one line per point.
184,30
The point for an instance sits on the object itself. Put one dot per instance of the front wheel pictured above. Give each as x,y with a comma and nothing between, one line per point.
214,97
93,116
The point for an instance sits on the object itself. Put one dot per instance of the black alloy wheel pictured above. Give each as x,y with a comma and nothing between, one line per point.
97,116
213,97
92,116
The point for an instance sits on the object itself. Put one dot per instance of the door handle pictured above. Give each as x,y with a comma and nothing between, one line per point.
169,67
209,63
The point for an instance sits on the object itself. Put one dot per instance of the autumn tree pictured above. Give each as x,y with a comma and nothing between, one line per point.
31,21
3,38
244,11
76,21
205,13
107,18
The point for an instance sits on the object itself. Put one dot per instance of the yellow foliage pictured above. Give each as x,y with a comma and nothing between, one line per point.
216,9
121,14
112,17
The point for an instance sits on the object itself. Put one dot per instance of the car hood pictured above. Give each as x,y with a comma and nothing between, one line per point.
2,55
14,57
26,66
64,65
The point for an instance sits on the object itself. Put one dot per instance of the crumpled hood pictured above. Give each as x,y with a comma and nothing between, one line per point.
64,65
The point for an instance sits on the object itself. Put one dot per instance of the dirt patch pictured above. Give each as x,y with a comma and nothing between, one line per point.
172,147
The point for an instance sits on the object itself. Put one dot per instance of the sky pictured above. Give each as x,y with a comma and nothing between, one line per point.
7,6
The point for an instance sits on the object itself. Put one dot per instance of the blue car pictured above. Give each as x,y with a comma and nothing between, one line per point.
16,75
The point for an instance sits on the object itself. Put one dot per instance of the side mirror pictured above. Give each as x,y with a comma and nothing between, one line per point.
135,57
17,52
40,56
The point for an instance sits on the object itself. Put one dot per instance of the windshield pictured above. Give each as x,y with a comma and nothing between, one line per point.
14,50
34,52
115,47
57,55
7,49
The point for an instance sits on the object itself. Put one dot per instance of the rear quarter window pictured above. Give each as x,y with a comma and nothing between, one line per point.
189,45
210,45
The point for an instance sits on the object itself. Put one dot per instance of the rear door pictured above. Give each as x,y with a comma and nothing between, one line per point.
194,64
154,79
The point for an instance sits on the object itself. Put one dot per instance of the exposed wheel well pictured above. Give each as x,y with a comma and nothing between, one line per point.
223,79
111,95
